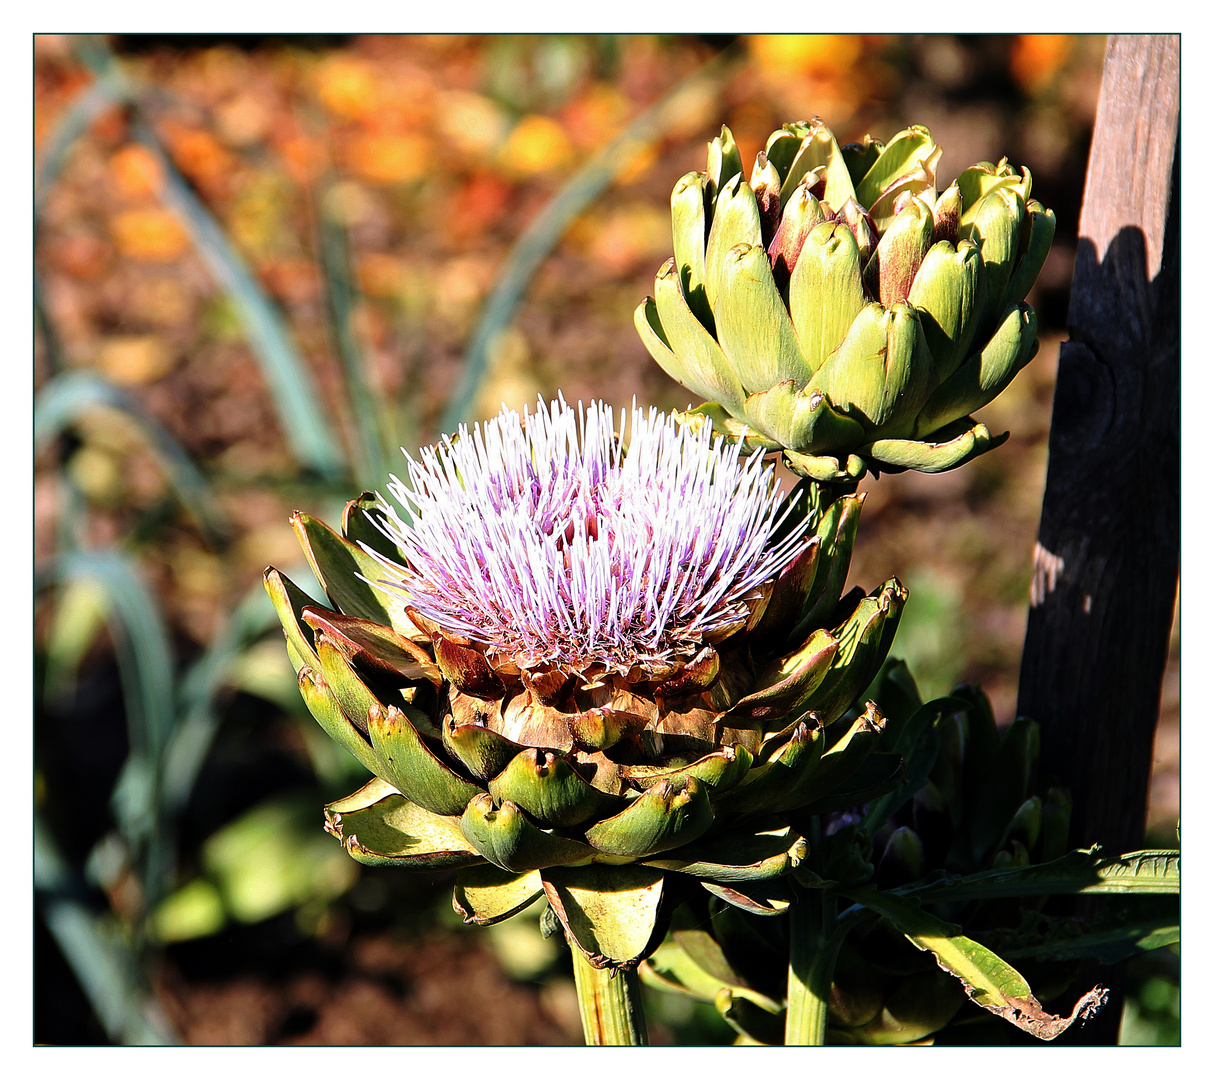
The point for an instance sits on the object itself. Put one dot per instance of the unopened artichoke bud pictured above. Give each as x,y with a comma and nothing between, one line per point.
919,1004
948,773
1015,854
1004,786
902,861
1026,823
857,991
557,665
963,261
1056,824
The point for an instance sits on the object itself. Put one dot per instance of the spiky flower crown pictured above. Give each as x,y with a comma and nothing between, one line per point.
552,540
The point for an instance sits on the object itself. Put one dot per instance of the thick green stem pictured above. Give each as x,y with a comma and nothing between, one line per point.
811,967
610,1003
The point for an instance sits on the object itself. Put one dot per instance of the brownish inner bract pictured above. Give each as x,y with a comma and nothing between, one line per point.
605,722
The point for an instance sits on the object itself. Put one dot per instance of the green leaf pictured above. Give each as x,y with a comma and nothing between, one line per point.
762,896
989,980
305,425
274,857
67,397
96,949
371,409
145,666
1108,936
916,741
748,1019
1003,788
1085,871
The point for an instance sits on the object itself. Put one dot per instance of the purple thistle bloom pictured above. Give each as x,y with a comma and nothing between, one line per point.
546,540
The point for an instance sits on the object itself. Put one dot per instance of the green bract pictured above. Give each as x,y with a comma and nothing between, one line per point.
839,309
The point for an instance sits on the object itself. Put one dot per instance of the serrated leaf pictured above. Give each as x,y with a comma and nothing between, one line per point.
989,980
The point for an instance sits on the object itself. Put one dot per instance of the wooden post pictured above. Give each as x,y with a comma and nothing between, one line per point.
1108,546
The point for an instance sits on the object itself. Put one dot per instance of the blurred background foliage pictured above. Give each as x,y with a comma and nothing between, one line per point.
262,265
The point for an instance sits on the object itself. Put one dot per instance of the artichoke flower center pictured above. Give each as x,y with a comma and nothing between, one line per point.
551,543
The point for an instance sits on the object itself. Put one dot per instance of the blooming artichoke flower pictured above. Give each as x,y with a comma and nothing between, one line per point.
839,309
579,667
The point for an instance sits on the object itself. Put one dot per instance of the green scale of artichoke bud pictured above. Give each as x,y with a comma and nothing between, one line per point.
838,309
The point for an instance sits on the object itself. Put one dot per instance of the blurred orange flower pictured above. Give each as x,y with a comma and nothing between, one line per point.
348,87
1037,58
389,159
379,274
596,116
821,56
538,144
136,171
132,360
305,158
477,206
151,235
199,154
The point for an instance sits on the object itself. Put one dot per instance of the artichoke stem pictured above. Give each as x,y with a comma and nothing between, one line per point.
823,493
610,1003
811,968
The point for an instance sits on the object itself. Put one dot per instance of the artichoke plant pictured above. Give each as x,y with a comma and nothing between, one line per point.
837,308
591,669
